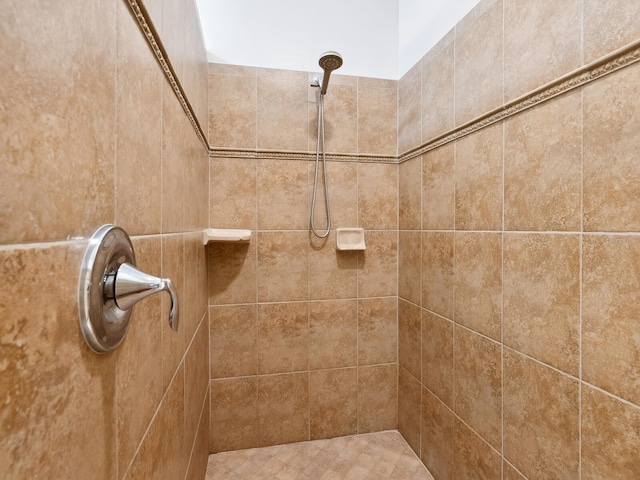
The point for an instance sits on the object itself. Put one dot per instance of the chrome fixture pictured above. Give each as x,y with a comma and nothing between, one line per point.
110,285
329,61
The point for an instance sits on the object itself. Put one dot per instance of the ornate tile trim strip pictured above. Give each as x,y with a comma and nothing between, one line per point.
292,155
150,33
610,63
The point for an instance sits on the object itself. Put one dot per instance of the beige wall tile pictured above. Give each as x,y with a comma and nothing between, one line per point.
478,384
195,194
283,337
510,473
343,194
610,299
194,302
333,334
332,273
173,33
531,59
283,408
608,26
409,399
541,416
478,179
377,398
232,341
409,267
196,380
377,116
610,436
174,151
378,265
340,117
437,436
474,457
378,196
409,193
478,282
200,452
410,109
437,272
543,166
282,195
282,266
233,109
409,337
542,298
232,193
438,189
479,61
437,88
333,405
234,414
232,272
377,330
611,173
437,356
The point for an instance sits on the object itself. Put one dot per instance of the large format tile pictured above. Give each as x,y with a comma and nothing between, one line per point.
438,88
232,341
333,334
333,405
377,330
609,26
438,188
437,272
437,356
232,193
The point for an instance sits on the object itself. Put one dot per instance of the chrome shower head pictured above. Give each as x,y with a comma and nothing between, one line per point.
329,61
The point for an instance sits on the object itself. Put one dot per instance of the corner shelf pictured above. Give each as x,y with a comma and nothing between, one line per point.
225,235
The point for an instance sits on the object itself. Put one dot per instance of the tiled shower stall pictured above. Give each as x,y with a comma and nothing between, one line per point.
492,319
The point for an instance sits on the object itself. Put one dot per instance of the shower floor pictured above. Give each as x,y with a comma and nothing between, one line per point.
372,456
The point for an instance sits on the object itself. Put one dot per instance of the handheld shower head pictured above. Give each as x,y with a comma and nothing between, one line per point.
329,61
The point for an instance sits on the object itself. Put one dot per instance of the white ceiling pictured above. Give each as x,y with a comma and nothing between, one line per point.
377,38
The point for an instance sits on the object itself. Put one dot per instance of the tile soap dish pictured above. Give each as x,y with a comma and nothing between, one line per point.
225,235
350,239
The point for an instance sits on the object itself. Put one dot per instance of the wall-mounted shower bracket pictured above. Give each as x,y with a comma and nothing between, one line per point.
110,285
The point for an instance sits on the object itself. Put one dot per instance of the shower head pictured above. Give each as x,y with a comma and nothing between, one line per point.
329,61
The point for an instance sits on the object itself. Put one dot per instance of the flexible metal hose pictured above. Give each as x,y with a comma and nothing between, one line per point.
320,153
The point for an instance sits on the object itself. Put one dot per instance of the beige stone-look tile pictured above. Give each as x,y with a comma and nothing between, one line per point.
174,151
377,398
610,436
52,95
59,398
232,341
283,337
282,116
282,195
340,116
510,473
196,184
474,458
378,265
409,193
541,419
479,61
232,193
139,380
610,299
173,33
333,334
478,178
543,166
542,298
283,408
437,272
410,109
138,150
437,88
609,26
234,414
438,189
377,116
409,337
611,172
478,384
173,343
283,269
478,282
437,356
409,401
200,452
532,60
194,303
194,77
332,273
409,266
343,194
233,109
378,196
332,407
232,271
377,330
196,378
437,436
